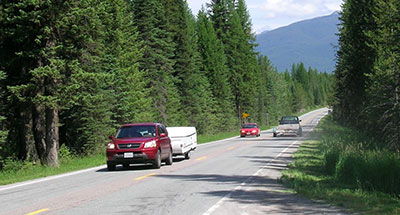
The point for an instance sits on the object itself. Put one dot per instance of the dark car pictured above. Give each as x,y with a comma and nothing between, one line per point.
250,129
139,143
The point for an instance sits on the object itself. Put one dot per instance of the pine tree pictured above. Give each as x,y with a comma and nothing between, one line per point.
27,49
213,63
241,59
263,99
197,100
219,14
131,95
355,61
157,60
384,91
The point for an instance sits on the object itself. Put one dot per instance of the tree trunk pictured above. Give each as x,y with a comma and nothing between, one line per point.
52,136
24,135
39,132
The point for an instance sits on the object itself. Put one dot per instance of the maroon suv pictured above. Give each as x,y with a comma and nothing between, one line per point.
139,143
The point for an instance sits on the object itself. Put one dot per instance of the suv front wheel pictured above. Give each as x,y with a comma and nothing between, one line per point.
110,166
157,161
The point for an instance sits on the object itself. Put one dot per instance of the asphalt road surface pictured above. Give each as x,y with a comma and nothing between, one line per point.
233,176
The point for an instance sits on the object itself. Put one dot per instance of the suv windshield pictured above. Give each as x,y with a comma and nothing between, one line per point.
136,131
249,126
289,120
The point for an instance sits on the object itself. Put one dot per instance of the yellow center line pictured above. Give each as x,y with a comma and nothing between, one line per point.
142,177
231,148
249,143
38,211
201,158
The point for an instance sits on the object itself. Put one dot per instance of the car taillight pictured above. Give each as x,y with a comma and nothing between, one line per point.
111,146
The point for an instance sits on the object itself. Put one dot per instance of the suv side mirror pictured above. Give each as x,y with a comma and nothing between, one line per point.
111,137
163,135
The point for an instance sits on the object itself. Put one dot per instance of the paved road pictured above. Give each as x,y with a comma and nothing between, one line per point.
233,176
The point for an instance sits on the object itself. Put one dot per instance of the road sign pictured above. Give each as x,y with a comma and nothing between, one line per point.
245,115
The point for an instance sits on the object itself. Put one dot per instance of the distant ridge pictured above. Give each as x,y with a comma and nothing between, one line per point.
312,42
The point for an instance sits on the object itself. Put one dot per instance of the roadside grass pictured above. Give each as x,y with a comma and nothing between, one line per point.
29,171
310,175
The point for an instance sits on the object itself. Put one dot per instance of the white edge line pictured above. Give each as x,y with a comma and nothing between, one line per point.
12,186
219,203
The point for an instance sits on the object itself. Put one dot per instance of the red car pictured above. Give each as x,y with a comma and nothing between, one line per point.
250,129
139,143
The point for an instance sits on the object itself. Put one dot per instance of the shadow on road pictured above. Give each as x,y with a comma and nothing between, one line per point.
260,191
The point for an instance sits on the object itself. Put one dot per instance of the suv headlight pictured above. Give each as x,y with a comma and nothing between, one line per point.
151,144
111,146
254,131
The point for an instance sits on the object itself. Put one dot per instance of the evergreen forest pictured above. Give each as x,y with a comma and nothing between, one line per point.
367,92
72,71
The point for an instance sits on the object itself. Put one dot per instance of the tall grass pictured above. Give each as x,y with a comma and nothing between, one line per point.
354,158
347,168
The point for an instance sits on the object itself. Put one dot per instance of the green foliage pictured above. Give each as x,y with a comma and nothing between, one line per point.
355,159
343,169
331,158
213,65
157,60
367,75
65,153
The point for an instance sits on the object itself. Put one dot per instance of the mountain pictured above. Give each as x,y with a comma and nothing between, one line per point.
312,42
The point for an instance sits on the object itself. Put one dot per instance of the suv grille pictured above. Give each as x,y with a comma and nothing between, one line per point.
129,146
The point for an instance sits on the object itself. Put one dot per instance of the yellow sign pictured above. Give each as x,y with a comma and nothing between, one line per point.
245,115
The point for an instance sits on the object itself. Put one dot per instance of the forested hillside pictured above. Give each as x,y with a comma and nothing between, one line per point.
368,70
313,42
72,71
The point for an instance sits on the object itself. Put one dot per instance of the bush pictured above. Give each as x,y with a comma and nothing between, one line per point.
64,153
349,167
331,158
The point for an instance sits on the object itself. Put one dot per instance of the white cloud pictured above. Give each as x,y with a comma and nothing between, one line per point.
278,13
288,7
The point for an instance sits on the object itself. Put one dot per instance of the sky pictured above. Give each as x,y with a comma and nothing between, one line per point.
272,14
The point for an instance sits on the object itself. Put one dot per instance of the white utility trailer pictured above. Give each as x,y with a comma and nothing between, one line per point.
183,140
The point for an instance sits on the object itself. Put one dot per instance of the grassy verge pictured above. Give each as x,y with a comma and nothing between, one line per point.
313,173
28,171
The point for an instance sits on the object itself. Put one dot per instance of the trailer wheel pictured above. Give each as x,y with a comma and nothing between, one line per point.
187,155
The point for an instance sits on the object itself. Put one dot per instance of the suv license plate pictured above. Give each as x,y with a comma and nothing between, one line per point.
128,155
